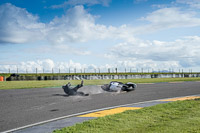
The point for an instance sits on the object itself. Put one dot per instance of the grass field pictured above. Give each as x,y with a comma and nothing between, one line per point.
175,117
59,83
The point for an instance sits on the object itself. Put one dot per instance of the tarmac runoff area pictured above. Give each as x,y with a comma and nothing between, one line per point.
66,121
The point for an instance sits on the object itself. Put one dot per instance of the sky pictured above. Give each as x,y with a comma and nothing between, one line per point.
97,35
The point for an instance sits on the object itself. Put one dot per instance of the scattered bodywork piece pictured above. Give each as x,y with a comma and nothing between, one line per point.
116,86
73,91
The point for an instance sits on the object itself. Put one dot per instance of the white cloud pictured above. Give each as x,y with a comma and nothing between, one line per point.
59,49
180,53
47,66
173,17
167,18
147,65
31,66
191,3
82,2
64,67
19,26
77,25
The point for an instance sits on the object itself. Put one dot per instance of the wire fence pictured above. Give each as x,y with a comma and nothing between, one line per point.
97,70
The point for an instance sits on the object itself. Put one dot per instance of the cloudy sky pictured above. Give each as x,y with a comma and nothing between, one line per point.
99,34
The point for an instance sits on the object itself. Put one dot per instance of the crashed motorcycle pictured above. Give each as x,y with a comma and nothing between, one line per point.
116,86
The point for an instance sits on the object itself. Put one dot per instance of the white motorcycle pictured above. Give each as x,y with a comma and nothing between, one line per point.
116,86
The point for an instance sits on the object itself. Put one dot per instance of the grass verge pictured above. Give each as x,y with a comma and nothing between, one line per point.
59,83
174,117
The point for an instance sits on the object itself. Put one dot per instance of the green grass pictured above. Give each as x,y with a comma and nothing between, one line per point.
175,117
59,83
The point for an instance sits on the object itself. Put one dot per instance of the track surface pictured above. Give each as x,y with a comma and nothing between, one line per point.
22,107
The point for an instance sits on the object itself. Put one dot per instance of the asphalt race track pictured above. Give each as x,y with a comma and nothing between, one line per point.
22,107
